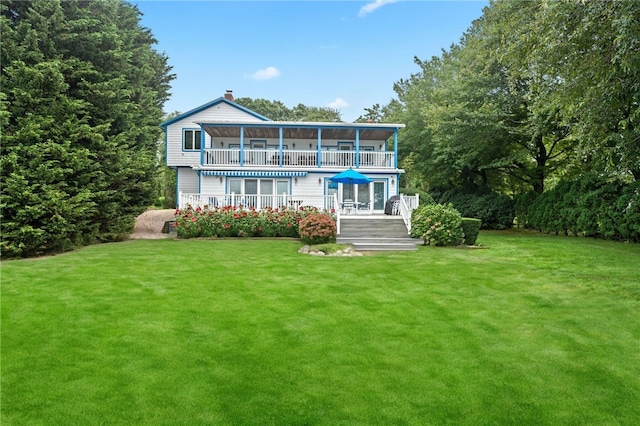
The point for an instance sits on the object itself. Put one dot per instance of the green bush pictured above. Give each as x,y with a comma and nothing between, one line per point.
318,229
470,228
589,205
496,211
425,197
437,225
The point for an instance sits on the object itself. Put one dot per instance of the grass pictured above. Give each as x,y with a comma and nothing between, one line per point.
534,329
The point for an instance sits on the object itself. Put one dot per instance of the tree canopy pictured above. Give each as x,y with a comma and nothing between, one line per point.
533,92
276,110
82,96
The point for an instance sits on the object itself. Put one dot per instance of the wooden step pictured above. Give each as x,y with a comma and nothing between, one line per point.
376,234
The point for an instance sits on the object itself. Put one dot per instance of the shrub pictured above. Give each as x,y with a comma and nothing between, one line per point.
230,221
589,205
496,211
437,225
522,209
318,229
470,229
425,197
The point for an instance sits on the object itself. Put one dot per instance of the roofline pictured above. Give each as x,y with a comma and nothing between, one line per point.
303,124
209,105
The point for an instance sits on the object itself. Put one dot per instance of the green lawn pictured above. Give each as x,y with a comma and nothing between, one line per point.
534,329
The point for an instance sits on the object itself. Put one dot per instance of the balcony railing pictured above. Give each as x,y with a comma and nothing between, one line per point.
298,158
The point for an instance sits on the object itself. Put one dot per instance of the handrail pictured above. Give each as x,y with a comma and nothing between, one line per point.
405,212
408,203
337,210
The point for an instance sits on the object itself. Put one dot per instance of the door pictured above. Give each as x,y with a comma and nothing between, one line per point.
282,190
250,192
266,191
364,197
379,195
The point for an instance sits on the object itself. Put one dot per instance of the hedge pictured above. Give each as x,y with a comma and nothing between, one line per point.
470,228
589,205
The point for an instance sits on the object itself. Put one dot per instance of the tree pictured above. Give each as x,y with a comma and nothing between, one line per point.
587,58
276,110
478,120
83,93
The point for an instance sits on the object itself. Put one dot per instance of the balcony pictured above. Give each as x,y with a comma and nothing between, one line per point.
296,159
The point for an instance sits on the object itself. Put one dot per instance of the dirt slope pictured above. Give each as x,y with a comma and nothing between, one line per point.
150,223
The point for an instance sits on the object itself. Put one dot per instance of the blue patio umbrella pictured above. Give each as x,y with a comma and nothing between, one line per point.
350,176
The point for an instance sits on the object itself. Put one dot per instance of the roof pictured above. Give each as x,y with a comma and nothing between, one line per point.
301,130
209,105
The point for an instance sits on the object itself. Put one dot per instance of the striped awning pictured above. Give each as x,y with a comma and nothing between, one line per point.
246,173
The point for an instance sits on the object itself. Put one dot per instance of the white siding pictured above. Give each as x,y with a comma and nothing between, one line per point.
212,185
187,180
307,185
219,112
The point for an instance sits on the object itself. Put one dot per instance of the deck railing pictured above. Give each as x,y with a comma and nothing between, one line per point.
298,158
258,202
407,204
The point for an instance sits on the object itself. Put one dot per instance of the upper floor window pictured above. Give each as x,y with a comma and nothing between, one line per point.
191,139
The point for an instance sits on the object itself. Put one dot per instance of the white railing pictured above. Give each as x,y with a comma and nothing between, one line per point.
407,204
258,202
298,158
337,211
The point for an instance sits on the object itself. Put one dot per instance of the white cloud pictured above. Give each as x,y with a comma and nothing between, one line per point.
370,7
265,74
338,103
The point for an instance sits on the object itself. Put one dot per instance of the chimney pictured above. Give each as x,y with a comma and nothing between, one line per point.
229,95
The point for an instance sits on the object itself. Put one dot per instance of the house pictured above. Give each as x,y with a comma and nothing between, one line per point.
226,154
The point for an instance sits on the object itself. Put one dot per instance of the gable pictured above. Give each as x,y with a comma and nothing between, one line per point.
220,109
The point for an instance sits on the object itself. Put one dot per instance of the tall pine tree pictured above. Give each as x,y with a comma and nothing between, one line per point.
82,96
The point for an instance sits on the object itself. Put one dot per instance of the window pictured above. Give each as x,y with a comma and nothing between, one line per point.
191,140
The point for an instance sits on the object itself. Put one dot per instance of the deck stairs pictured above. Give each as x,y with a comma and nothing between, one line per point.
376,233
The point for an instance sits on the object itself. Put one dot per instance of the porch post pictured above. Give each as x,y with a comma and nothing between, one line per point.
319,147
357,148
395,147
201,145
241,145
280,153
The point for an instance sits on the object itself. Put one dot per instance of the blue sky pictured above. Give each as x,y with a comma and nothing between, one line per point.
341,54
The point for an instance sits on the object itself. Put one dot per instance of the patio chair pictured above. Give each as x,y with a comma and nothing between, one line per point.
364,206
347,205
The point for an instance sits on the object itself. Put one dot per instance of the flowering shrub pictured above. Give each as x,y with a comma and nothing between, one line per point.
318,229
437,225
240,222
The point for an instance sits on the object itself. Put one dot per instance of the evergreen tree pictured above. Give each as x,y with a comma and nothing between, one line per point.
82,96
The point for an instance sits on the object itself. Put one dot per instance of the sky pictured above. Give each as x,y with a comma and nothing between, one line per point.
345,55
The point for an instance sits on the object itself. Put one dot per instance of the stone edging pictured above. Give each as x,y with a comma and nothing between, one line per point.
348,252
